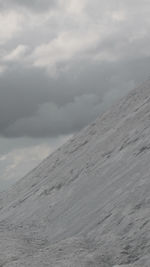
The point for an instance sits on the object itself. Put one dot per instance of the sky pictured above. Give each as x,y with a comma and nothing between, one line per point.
63,63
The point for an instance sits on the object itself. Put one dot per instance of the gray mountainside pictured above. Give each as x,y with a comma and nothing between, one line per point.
87,204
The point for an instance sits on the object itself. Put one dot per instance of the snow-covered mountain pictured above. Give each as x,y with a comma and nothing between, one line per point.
87,204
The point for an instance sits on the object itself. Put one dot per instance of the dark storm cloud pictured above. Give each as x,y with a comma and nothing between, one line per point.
34,104
23,95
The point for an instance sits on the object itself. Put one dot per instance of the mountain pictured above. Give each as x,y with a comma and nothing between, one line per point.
87,204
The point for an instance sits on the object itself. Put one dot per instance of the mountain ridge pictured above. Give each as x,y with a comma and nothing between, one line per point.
87,204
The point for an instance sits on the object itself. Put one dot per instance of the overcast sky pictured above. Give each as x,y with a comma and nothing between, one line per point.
62,63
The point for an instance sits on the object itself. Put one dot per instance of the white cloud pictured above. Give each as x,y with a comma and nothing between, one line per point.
9,25
73,29
16,54
74,7
67,46
119,16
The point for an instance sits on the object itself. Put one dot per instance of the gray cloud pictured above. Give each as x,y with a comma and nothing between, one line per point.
62,69
34,104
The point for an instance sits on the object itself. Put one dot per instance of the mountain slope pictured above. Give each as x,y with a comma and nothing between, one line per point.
88,204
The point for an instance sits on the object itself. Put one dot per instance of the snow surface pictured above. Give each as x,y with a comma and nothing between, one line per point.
87,204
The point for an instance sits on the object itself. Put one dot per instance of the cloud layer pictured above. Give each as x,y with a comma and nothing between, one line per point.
64,62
